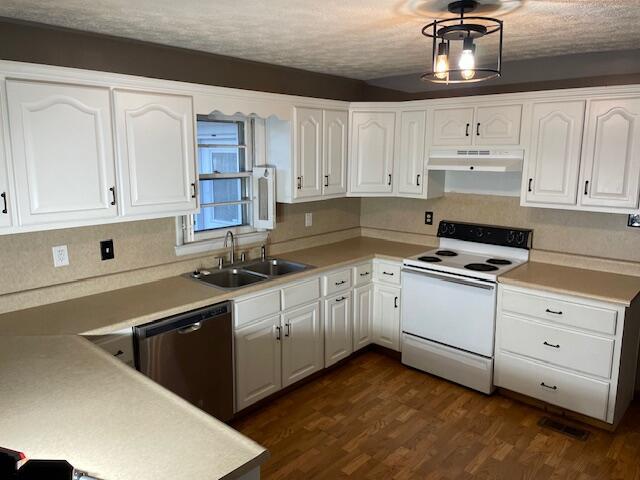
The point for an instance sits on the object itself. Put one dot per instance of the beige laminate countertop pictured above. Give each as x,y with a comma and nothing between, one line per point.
110,311
64,398
597,285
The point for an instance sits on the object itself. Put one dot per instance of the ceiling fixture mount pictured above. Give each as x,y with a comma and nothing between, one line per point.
461,33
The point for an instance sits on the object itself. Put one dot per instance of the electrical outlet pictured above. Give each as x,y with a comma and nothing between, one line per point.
106,249
60,256
428,218
308,219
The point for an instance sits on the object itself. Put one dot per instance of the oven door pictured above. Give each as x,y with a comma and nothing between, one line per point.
449,309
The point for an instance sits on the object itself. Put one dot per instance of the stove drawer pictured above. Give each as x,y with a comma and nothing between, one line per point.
567,390
586,317
577,351
386,272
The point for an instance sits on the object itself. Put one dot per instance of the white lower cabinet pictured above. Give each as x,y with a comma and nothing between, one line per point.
337,332
302,343
386,316
362,316
566,351
258,361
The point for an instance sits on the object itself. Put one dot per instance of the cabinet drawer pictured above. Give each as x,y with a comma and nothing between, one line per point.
362,274
562,312
557,387
387,272
337,281
577,351
300,294
246,311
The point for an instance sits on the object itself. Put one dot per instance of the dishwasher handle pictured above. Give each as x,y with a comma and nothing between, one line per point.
184,323
190,328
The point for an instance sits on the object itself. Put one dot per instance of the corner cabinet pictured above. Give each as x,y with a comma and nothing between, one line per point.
371,152
62,152
584,155
155,140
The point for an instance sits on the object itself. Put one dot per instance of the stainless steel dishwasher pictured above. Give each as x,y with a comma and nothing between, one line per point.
192,355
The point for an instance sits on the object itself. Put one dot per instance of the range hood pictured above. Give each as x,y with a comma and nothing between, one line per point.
476,160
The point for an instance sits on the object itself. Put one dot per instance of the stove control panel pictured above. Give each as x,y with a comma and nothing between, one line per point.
493,235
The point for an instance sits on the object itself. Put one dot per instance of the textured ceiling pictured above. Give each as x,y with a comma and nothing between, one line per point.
361,39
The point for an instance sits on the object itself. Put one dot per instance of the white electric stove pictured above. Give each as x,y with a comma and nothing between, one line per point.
449,300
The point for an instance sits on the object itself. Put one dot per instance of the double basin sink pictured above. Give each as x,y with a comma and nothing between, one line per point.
248,273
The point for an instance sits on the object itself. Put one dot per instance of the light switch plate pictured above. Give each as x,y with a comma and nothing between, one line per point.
60,256
308,219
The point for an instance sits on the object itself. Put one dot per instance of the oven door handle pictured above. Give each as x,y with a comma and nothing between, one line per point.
450,278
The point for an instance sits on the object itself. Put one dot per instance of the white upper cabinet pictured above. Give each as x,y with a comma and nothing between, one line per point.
308,152
62,152
6,205
410,158
335,152
452,126
610,172
371,152
156,147
554,154
499,125
303,343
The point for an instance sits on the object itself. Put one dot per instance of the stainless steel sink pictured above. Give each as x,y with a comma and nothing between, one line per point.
229,278
275,267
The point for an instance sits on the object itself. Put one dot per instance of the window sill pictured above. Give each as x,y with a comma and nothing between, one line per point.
214,244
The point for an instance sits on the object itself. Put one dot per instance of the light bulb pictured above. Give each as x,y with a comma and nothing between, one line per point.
441,68
467,62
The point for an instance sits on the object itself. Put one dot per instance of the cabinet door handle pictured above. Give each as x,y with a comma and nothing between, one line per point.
530,182
340,283
299,183
555,312
326,180
466,131
194,191
395,302
340,299
478,129
418,180
389,183
586,187
288,332
278,332
4,201
550,344
113,195
544,385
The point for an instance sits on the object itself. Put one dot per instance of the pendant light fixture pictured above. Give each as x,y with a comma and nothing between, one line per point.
461,32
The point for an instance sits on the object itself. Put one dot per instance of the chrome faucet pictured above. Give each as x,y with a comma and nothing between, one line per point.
232,257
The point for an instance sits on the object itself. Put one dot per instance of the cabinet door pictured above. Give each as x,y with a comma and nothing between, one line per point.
611,160
62,152
335,152
308,153
410,159
497,125
303,343
5,205
371,156
258,361
553,162
156,147
452,126
337,328
362,316
386,317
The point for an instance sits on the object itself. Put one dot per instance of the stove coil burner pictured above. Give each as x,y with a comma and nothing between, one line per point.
499,261
430,259
446,253
480,267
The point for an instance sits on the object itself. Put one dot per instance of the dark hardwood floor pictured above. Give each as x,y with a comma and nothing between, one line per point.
373,418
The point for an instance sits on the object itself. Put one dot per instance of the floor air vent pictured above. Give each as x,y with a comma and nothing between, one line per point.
564,428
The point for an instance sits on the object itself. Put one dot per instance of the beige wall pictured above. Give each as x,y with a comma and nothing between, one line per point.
582,233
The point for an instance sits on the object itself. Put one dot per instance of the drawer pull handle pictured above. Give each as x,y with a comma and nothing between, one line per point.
341,283
388,273
555,312
550,345
340,299
544,385
364,274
